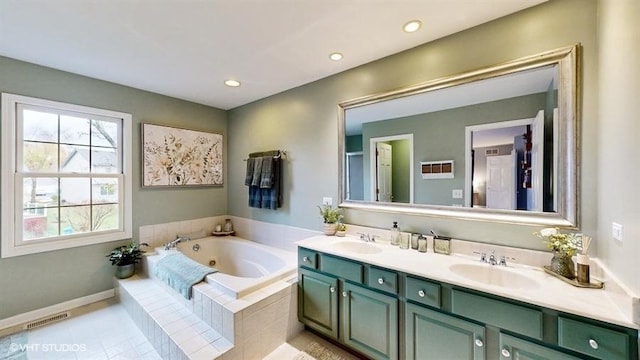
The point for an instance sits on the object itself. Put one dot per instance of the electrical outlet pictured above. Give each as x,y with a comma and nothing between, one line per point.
327,201
456,193
616,231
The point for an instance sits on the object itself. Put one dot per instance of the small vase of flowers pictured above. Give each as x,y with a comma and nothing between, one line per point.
564,247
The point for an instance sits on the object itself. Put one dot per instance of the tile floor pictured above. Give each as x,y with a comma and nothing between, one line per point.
104,331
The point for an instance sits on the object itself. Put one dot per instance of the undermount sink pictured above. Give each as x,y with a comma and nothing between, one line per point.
494,275
357,247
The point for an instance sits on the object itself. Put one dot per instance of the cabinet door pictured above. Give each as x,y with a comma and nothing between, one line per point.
514,348
318,302
369,322
434,335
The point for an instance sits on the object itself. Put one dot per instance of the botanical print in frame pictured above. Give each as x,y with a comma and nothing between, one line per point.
180,157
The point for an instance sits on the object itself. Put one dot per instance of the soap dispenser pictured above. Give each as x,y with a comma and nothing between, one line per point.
395,234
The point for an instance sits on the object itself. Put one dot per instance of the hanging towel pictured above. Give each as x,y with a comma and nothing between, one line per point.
266,177
257,171
248,178
181,273
271,198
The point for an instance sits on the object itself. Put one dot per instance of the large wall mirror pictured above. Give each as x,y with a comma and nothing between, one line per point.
495,144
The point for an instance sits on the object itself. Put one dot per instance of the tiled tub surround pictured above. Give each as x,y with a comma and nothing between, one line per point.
276,235
214,323
613,304
211,325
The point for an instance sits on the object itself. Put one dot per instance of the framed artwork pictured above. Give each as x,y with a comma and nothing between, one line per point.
175,157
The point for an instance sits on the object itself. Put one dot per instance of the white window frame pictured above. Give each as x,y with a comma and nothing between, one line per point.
11,182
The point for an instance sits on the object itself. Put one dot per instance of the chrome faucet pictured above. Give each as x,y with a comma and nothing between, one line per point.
503,261
492,260
174,243
367,237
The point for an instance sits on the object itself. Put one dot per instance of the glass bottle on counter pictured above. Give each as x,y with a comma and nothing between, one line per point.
228,226
395,234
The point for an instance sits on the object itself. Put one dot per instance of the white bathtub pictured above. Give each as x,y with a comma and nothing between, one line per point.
243,266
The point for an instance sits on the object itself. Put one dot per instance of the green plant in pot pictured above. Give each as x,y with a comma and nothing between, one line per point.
125,258
341,229
331,216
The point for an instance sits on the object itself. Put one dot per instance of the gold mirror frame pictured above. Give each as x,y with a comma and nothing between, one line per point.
567,214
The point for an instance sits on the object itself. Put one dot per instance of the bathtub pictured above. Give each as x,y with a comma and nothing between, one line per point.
243,266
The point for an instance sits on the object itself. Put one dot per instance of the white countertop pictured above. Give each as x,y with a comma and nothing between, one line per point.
546,291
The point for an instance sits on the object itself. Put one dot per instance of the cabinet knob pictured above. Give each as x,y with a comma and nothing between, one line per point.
380,281
332,289
344,294
505,352
479,342
421,293
594,344
305,259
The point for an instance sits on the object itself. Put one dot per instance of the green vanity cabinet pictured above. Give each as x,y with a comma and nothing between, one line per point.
388,314
512,348
318,302
430,334
369,322
350,302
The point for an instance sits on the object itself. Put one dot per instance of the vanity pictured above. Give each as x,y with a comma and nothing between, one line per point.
389,303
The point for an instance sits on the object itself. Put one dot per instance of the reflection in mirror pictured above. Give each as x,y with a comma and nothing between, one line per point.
475,145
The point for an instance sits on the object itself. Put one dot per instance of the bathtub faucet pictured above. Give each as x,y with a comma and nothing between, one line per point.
172,244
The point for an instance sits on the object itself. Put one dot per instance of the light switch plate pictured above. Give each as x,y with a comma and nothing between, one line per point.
456,193
327,201
616,231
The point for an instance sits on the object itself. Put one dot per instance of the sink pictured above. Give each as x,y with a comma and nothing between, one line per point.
495,275
357,247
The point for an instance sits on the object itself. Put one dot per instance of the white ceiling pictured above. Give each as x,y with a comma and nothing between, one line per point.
187,48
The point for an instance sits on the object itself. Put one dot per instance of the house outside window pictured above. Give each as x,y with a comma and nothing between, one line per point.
67,172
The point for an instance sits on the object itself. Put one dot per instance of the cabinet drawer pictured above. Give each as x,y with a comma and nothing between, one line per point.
592,340
423,292
383,280
341,268
512,347
307,258
517,318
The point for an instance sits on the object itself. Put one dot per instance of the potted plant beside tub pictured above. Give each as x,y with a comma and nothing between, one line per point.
125,258
331,217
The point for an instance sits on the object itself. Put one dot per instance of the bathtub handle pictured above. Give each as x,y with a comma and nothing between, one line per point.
332,289
380,281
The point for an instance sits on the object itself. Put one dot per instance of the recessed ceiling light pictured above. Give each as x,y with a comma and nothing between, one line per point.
335,56
232,83
412,26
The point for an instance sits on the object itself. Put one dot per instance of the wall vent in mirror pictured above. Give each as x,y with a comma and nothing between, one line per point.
437,169
513,124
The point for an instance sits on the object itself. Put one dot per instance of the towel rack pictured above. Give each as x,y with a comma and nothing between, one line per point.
277,154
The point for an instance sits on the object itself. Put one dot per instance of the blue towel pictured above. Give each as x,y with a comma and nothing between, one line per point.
257,172
181,273
266,177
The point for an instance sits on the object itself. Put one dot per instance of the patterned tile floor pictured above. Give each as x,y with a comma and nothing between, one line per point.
104,331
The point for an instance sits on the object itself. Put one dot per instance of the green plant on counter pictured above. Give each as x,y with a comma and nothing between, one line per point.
341,227
329,214
126,254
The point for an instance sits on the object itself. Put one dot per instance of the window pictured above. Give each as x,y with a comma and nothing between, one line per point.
66,175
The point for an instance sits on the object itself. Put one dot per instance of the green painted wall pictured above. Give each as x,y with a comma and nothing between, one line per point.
440,135
400,187
35,281
614,142
303,120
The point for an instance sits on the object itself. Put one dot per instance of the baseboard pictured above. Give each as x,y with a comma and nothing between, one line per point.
53,309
